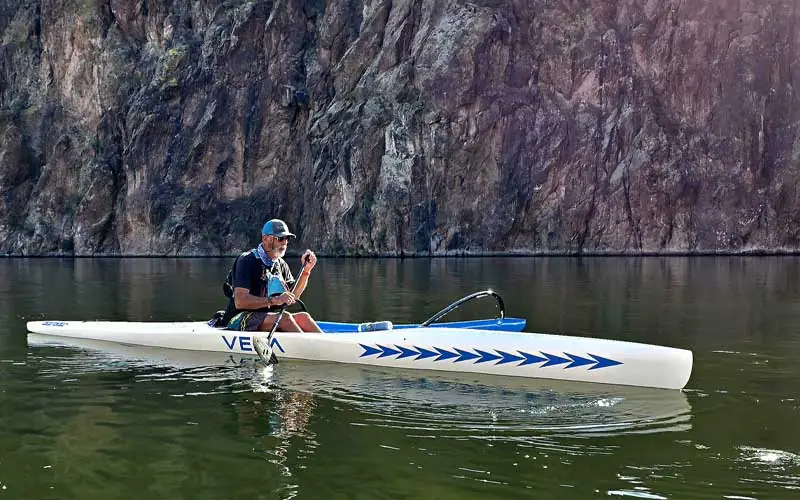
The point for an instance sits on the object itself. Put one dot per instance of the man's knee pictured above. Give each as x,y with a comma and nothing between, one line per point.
289,324
266,325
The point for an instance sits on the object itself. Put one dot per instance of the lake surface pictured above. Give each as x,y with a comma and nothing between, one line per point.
119,422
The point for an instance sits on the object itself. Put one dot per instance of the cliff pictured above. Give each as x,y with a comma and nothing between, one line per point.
399,127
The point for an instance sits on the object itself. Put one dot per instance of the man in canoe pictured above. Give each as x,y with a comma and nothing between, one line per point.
261,282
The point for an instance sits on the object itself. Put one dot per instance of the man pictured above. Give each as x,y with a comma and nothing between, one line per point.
262,281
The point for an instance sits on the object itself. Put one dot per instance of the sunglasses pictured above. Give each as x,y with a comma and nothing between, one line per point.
281,238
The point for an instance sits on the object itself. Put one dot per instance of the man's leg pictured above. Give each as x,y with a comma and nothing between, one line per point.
287,323
306,323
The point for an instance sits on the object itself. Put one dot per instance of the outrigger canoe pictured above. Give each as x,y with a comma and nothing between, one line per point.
492,346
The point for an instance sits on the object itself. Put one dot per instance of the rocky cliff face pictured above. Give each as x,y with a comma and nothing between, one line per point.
399,126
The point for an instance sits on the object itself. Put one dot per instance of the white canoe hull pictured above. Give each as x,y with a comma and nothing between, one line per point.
515,354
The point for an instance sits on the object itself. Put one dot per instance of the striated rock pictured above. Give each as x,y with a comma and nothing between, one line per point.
399,127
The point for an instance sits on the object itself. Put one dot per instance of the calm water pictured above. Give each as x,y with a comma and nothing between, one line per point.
121,422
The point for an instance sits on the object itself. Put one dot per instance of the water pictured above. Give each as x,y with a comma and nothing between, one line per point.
109,421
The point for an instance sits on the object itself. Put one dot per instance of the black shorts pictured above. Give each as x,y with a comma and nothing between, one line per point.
247,321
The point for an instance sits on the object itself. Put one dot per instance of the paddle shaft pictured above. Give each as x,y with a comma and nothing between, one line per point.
272,358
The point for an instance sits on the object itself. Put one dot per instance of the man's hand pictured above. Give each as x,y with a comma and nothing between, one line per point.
309,260
284,299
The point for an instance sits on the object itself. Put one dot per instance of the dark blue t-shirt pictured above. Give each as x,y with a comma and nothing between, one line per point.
251,273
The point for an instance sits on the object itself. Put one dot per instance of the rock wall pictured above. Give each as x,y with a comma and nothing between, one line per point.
399,127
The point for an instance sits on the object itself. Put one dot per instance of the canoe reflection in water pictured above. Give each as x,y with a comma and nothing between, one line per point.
277,418
284,412
280,400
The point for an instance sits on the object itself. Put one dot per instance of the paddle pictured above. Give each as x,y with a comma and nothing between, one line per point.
263,350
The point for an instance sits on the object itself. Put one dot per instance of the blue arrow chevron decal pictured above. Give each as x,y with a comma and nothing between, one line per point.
443,354
486,356
424,353
530,359
387,351
369,351
578,361
465,355
552,359
278,344
498,357
603,362
406,352
509,358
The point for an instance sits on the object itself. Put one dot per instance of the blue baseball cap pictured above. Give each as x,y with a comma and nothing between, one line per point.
276,227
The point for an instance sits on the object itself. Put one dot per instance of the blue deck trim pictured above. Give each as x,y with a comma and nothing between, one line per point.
499,325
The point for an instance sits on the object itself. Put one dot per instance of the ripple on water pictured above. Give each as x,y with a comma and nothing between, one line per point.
773,467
